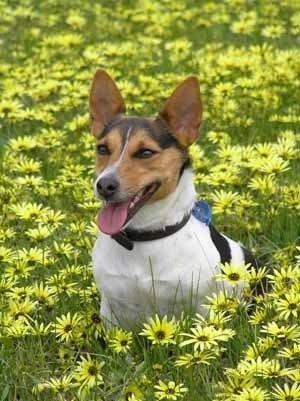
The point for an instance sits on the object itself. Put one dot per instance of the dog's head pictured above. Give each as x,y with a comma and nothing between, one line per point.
139,160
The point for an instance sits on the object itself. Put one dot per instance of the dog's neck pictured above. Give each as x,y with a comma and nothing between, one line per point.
168,211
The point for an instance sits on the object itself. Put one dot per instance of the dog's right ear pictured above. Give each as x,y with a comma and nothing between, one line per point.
183,111
105,101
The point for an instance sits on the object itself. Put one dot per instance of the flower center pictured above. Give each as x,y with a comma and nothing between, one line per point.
95,318
202,338
92,370
67,328
287,281
234,276
160,335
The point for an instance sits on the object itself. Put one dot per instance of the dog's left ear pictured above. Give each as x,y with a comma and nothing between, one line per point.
105,101
183,111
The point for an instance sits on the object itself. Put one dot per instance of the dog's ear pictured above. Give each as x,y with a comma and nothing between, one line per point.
105,101
183,111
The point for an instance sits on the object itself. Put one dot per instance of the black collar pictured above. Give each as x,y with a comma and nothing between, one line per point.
127,236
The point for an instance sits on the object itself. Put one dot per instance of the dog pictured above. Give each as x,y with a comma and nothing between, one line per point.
154,253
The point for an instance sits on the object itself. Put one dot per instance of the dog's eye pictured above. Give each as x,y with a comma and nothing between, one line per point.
102,150
144,153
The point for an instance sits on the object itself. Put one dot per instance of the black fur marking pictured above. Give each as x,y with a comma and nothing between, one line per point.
110,125
163,135
157,129
250,259
185,165
221,244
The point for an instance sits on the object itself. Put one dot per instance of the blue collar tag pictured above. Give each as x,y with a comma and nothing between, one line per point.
202,212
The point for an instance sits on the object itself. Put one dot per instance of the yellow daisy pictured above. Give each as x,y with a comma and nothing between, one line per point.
159,331
169,391
120,340
66,326
88,373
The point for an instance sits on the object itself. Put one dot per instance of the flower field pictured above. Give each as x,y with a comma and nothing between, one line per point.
53,345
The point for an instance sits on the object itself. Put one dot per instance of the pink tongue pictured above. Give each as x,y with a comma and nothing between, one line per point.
112,217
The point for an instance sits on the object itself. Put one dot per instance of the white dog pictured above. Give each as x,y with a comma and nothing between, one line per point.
156,250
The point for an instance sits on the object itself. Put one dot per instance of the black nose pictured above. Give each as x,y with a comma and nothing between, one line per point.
107,187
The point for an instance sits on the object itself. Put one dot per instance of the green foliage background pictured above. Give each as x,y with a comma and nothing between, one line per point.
246,55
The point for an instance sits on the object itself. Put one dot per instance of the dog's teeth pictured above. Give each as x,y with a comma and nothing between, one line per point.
135,200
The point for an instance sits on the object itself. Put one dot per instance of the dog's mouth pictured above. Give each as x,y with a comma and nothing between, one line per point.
114,215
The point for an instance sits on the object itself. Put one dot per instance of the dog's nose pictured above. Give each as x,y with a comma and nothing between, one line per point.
107,187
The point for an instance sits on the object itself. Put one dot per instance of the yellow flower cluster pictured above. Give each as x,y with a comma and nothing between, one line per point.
246,54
